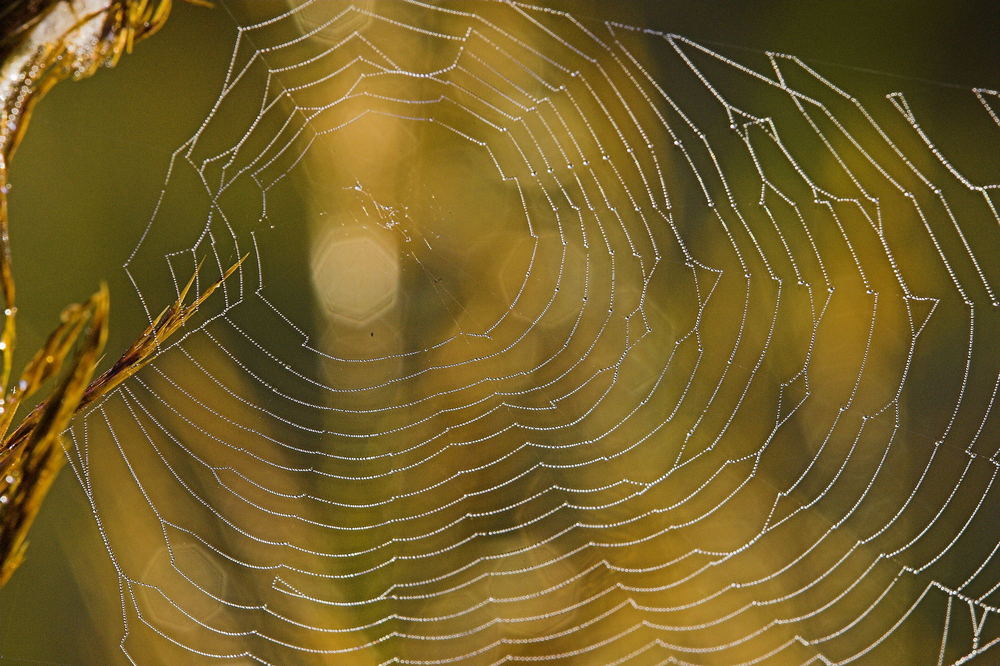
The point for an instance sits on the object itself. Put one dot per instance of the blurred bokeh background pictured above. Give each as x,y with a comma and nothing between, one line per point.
93,163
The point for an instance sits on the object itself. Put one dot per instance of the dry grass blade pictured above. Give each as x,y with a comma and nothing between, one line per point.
148,344
27,468
41,43
29,458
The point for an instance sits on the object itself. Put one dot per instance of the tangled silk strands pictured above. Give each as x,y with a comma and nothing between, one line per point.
561,342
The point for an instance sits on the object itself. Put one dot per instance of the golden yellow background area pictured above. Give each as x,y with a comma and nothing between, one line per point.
559,340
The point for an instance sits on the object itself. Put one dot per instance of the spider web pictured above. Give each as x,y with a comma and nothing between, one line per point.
560,342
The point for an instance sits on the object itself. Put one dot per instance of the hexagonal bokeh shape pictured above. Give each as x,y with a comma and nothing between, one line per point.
313,19
197,568
542,283
355,276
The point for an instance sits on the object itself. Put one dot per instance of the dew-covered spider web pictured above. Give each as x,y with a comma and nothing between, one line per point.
558,341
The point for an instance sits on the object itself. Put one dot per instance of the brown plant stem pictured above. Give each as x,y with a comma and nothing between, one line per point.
41,43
